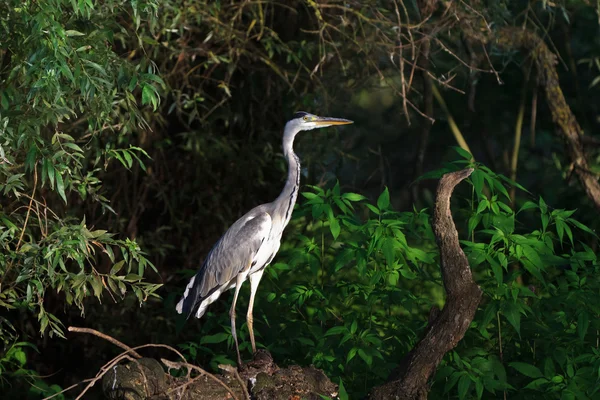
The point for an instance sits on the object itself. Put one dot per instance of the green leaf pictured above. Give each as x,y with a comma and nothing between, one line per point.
560,229
309,195
132,278
334,227
31,159
74,33
383,202
583,323
533,256
477,178
527,205
463,386
117,267
351,354
513,315
353,327
536,384
60,186
569,233
367,358
482,206
306,341
388,250
496,269
581,226
147,94
408,274
336,330
373,209
128,158
95,66
549,369
479,388
96,285
212,339
20,357
343,395
528,370
543,206
500,187
353,197
473,222
463,153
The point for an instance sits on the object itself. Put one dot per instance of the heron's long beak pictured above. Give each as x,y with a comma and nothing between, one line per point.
332,121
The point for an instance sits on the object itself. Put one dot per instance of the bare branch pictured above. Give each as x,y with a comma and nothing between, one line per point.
449,326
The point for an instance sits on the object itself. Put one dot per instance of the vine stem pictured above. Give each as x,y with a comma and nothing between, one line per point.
500,343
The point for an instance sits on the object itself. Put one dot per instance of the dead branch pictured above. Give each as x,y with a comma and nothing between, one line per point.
105,337
450,325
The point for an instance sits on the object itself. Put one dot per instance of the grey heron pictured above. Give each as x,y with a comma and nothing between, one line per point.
250,244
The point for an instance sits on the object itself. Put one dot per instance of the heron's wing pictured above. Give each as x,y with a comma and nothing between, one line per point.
232,254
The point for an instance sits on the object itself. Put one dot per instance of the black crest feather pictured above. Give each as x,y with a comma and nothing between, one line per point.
300,114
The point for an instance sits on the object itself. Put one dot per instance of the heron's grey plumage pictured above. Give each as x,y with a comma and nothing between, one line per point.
224,261
250,244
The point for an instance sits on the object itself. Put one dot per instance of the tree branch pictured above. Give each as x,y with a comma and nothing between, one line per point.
448,327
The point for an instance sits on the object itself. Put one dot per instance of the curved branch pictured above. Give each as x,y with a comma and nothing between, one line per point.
448,327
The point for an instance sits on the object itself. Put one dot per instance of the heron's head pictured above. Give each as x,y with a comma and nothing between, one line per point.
304,121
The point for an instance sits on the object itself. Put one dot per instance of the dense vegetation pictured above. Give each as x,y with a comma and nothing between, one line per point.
132,133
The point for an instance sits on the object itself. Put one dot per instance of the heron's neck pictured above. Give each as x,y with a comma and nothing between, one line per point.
286,200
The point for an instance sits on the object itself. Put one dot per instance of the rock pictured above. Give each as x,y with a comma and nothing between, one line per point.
135,380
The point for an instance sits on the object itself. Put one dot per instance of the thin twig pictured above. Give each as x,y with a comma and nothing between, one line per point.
453,127
105,337
69,388
233,371
179,365
24,224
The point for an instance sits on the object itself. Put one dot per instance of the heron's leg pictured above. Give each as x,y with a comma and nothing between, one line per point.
254,281
238,284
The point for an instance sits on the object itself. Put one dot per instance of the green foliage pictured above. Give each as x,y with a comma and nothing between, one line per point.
532,329
65,93
13,367
353,284
360,279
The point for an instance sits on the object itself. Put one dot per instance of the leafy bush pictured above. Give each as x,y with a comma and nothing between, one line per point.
61,69
361,278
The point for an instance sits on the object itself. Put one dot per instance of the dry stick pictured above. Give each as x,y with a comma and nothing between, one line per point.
183,386
400,56
69,388
500,343
108,366
518,130
93,380
117,359
428,109
234,372
179,365
533,117
453,127
105,337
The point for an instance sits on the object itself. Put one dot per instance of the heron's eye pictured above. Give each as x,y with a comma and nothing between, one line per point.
305,118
